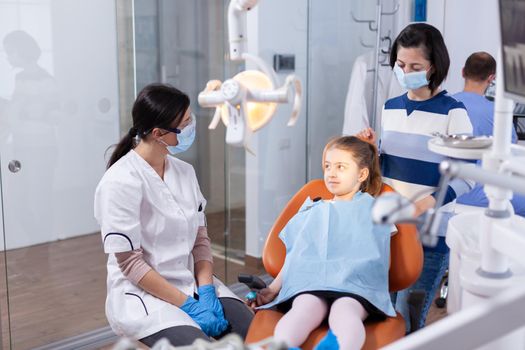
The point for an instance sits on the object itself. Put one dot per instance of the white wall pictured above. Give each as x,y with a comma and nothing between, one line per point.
279,168
467,26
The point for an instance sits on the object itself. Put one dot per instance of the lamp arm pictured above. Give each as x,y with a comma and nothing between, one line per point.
429,231
466,171
514,165
291,86
237,29
211,96
211,99
263,67
452,169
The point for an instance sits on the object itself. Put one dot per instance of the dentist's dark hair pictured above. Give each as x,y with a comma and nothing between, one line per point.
156,106
430,40
365,155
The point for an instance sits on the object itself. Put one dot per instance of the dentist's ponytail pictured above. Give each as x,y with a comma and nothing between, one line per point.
125,145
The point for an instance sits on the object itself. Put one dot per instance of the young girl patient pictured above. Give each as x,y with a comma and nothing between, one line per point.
337,260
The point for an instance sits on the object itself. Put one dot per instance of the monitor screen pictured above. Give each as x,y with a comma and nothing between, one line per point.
512,22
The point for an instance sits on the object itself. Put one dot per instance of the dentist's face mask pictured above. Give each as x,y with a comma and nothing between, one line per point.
411,81
185,138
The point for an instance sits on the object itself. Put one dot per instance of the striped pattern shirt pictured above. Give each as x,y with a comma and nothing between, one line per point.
406,162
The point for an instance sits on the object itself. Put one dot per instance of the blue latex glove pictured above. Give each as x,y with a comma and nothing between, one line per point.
204,317
329,342
208,298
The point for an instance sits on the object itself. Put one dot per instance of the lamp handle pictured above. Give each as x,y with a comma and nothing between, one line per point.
295,83
216,118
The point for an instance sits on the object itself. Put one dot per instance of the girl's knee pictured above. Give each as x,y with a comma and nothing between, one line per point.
306,301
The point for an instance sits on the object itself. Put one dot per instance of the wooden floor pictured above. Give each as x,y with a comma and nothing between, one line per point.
58,290
236,239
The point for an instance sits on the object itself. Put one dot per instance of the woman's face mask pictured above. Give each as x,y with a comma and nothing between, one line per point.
185,138
411,81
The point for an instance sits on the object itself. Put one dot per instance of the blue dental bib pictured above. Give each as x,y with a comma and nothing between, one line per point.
334,246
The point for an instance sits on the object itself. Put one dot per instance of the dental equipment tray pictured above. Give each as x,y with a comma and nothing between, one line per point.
464,141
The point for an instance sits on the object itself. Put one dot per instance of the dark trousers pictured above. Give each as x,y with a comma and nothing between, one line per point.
238,315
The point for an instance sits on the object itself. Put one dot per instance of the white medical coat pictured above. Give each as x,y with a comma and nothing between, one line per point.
359,99
137,209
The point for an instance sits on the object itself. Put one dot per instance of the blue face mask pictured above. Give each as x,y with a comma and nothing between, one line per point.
411,81
185,139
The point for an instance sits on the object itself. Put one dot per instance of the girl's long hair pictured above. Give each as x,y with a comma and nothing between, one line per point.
365,155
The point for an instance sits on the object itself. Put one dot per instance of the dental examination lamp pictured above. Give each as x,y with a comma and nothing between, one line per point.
247,102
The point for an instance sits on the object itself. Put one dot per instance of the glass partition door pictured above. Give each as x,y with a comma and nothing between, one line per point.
5,337
58,115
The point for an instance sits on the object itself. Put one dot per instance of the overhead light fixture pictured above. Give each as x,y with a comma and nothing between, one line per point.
247,102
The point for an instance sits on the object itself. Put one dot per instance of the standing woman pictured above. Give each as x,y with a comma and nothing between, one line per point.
151,213
420,61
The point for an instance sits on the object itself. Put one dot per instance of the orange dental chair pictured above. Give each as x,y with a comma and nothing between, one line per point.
406,262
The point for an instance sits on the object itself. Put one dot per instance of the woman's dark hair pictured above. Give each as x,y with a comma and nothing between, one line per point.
365,155
156,106
430,40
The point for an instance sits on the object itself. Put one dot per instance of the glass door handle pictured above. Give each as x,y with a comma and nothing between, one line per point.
14,166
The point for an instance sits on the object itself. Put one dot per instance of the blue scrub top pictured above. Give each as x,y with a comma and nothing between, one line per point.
481,114
478,198
334,246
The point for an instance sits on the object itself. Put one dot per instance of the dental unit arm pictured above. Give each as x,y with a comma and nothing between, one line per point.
461,330
247,102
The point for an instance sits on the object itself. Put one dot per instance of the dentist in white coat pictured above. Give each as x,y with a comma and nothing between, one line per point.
151,213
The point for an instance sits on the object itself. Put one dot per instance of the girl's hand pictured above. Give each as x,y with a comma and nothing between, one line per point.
367,135
264,296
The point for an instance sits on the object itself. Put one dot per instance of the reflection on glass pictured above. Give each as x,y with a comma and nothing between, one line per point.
31,118
57,116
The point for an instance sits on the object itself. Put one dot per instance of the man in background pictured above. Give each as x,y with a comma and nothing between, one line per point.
479,73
